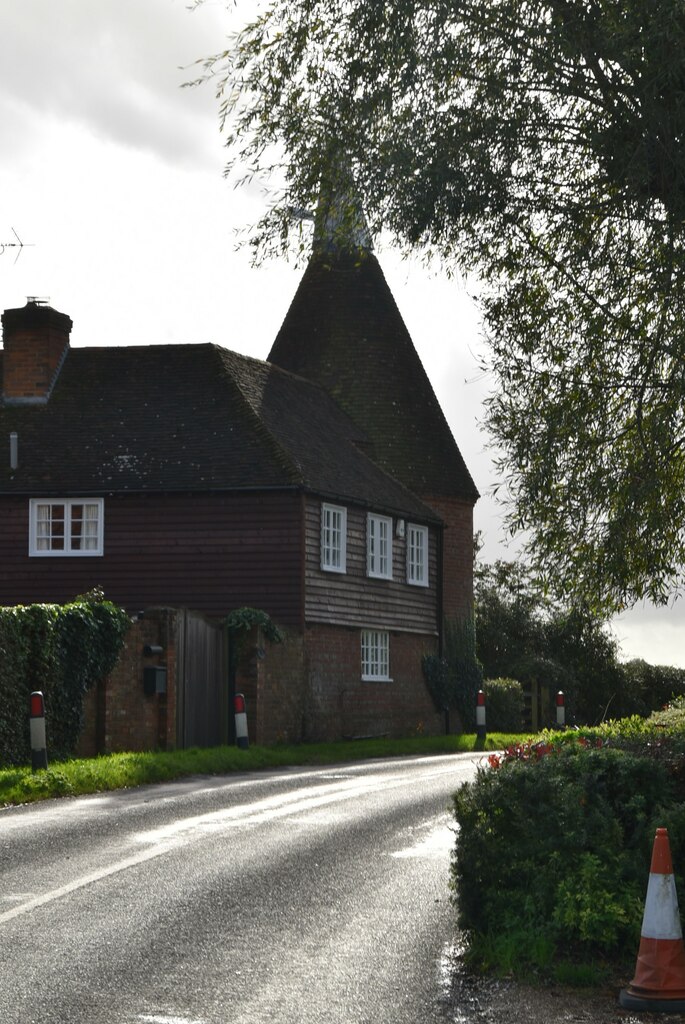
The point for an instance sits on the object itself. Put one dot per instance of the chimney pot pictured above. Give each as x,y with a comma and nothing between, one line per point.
35,344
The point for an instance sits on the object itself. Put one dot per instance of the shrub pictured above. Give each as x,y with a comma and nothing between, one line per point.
504,704
454,680
555,844
240,623
242,620
670,717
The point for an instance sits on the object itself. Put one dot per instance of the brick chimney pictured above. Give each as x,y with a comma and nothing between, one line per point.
35,344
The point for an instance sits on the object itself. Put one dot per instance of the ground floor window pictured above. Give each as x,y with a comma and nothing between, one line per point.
375,654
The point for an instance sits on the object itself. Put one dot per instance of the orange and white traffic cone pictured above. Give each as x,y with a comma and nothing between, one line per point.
659,982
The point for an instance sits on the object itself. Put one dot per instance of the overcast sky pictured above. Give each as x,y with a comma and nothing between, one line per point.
112,176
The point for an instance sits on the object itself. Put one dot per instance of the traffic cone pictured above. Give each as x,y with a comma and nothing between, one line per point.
659,982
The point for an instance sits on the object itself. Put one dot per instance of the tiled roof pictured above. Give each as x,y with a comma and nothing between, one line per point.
189,418
344,331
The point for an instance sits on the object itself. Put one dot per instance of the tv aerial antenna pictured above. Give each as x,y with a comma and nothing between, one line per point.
18,245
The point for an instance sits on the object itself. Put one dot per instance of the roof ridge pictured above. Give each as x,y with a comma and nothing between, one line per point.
175,345
430,513
278,450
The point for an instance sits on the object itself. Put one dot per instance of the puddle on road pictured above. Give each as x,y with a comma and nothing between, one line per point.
434,840
459,996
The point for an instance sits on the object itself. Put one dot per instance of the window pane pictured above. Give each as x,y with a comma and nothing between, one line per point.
383,547
43,527
379,546
90,527
76,526
56,528
334,542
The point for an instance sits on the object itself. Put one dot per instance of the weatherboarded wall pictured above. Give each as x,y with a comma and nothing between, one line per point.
209,552
353,598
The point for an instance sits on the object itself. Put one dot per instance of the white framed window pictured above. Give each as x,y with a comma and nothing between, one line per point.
69,526
333,538
417,555
379,546
375,654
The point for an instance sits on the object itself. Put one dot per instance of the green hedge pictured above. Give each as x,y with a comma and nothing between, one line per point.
553,850
59,649
504,705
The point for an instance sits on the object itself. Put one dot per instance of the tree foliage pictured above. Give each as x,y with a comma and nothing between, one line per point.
522,634
540,145
455,678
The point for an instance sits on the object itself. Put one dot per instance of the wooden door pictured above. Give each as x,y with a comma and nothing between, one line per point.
202,682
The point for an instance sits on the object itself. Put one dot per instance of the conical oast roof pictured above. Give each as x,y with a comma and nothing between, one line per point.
344,331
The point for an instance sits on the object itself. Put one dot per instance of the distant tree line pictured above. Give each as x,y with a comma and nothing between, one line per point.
523,634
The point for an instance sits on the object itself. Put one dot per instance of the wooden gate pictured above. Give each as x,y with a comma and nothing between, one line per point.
202,686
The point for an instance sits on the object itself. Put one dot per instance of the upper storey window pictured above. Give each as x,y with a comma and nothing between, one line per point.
379,546
333,538
73,526
417,555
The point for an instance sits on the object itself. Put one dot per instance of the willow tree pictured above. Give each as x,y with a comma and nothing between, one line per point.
537,145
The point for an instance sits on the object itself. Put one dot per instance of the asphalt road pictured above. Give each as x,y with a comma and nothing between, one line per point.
300,896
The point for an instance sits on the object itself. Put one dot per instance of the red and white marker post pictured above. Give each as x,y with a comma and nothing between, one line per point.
481,730
39,752
561,710
240,710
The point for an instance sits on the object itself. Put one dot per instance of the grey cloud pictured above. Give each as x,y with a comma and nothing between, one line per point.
115,66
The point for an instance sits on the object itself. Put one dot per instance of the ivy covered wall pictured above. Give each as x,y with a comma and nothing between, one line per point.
59,649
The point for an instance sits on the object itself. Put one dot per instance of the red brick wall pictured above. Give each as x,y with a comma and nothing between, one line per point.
457,554
118,714
35,341
340,705
274,687
308,688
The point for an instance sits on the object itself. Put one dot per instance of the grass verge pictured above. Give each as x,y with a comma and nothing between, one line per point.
121,771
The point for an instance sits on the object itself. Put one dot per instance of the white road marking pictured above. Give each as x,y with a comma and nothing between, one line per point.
14,897
80,883
185,830
279,806
157,1018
